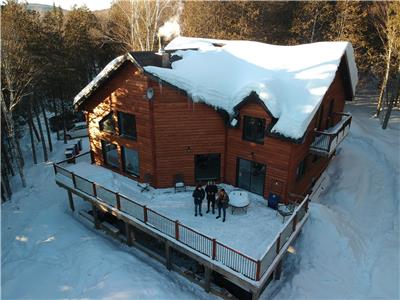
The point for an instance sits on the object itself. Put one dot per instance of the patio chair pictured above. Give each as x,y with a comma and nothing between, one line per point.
285,210
145,185
179,183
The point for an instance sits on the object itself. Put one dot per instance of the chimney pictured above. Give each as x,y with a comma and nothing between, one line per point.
165,63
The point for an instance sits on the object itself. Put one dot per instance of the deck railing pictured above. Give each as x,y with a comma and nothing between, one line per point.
326,141
210,247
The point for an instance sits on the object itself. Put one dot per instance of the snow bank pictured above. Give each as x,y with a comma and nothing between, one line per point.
290,80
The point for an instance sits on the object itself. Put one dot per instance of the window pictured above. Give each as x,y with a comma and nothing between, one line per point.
107,123
130,160
127,125
110,154
253,129
207,166
301,169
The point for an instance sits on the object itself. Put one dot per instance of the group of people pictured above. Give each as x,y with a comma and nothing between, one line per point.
214,197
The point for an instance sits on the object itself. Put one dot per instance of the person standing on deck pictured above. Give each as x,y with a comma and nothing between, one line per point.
222,203
211,191
198,196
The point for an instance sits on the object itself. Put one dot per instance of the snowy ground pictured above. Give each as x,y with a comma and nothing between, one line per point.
241,231
347,249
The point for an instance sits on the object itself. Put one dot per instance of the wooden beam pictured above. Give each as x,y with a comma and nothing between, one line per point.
207,278
95,217
278,270
71,200
168,262
130,234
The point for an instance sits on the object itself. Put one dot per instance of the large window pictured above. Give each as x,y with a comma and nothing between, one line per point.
253,129
207,167
107,123
301,169
130,160
127,125
110,154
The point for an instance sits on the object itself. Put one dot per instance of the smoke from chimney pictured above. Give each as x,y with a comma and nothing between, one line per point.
169,30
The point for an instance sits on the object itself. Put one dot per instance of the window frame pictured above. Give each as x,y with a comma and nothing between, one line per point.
196,173
301,169
124,169
250,139
101,122
104,144
120,115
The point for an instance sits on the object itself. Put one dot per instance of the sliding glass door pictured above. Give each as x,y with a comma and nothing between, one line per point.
251,176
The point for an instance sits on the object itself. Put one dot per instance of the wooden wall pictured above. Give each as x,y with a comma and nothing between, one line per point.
301,151
171,130
274,153
125,92
182,130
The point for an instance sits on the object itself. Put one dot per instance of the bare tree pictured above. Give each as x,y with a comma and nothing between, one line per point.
134,23
386,20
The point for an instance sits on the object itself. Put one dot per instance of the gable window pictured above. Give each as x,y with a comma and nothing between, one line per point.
107,123
110,154
130,160
207,166
301,169
253,129
127,125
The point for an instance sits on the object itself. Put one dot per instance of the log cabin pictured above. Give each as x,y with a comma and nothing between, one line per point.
264,118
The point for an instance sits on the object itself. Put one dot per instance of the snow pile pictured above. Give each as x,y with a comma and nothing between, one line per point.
290,80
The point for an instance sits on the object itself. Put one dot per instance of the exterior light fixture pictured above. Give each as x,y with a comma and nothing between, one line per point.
149,93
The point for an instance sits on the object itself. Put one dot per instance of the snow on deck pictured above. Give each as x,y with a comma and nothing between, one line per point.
250,233
290,80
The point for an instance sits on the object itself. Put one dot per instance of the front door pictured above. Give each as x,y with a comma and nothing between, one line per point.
251,176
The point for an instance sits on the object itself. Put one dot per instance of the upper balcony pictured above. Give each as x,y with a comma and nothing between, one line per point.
326,142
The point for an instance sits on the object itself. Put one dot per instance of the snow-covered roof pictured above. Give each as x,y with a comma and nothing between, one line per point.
290,80
96,82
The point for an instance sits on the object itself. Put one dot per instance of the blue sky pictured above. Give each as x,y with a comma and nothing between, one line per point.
67,4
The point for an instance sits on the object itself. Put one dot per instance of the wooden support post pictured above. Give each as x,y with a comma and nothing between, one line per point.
294,222
145,213
255,295
278,244
55,168
92,157
95,217
168,262
278,270
94,189
207,279
214,248
73,179
258,270
177,230
130,234
118,198
71,200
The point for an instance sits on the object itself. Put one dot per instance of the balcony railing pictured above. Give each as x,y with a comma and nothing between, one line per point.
326,141
249,267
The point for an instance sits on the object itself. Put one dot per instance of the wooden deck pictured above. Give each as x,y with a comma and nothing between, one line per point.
250,274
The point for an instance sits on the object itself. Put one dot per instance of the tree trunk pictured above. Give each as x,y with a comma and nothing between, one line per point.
35,110
385,80
47,127
16,149
6,188
5,156
64,122
30,123
55,115
395,98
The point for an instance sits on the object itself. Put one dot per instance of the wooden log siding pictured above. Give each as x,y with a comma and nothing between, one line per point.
171,130
301,186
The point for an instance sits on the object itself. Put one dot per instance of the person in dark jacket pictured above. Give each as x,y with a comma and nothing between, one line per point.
198,196
211,191
222,203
